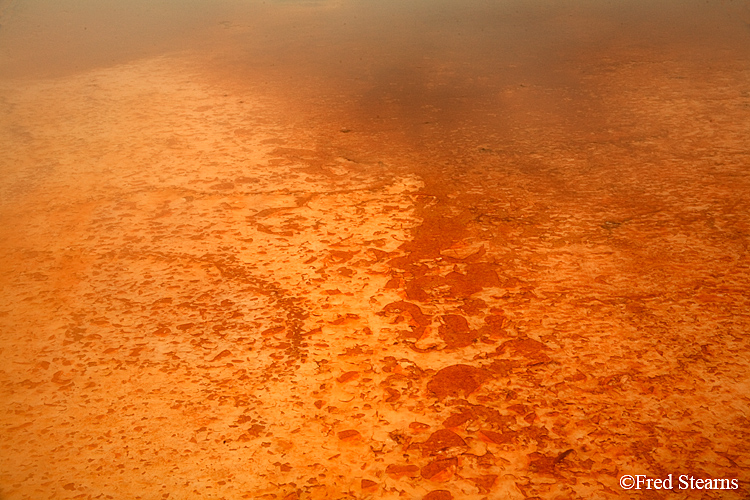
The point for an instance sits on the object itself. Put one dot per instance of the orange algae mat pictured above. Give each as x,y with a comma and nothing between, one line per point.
221,290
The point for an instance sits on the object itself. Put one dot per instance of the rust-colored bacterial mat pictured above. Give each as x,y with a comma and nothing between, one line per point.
305,250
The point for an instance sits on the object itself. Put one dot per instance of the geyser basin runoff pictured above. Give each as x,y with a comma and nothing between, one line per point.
313,250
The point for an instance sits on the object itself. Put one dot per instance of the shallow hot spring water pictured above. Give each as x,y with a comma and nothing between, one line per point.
334,249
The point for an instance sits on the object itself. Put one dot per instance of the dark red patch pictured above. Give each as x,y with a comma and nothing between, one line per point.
457,380
458,419
349,435
346,377
412,309
482,274
222,354
499,437
528,348
542,464
415,292
439,470
393,283
368,485
418,427
438,495
441,440
398,471
455,331
393,395
272,331
484,483
461,285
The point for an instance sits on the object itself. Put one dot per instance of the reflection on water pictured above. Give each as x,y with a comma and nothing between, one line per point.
317,249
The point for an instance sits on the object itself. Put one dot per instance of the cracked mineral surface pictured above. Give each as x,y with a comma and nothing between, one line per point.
313,250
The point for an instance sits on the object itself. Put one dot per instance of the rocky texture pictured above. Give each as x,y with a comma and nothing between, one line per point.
217,290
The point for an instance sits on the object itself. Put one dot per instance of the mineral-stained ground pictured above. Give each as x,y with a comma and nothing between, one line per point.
433,280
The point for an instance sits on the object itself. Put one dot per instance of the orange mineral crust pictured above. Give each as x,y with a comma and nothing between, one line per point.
322,250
